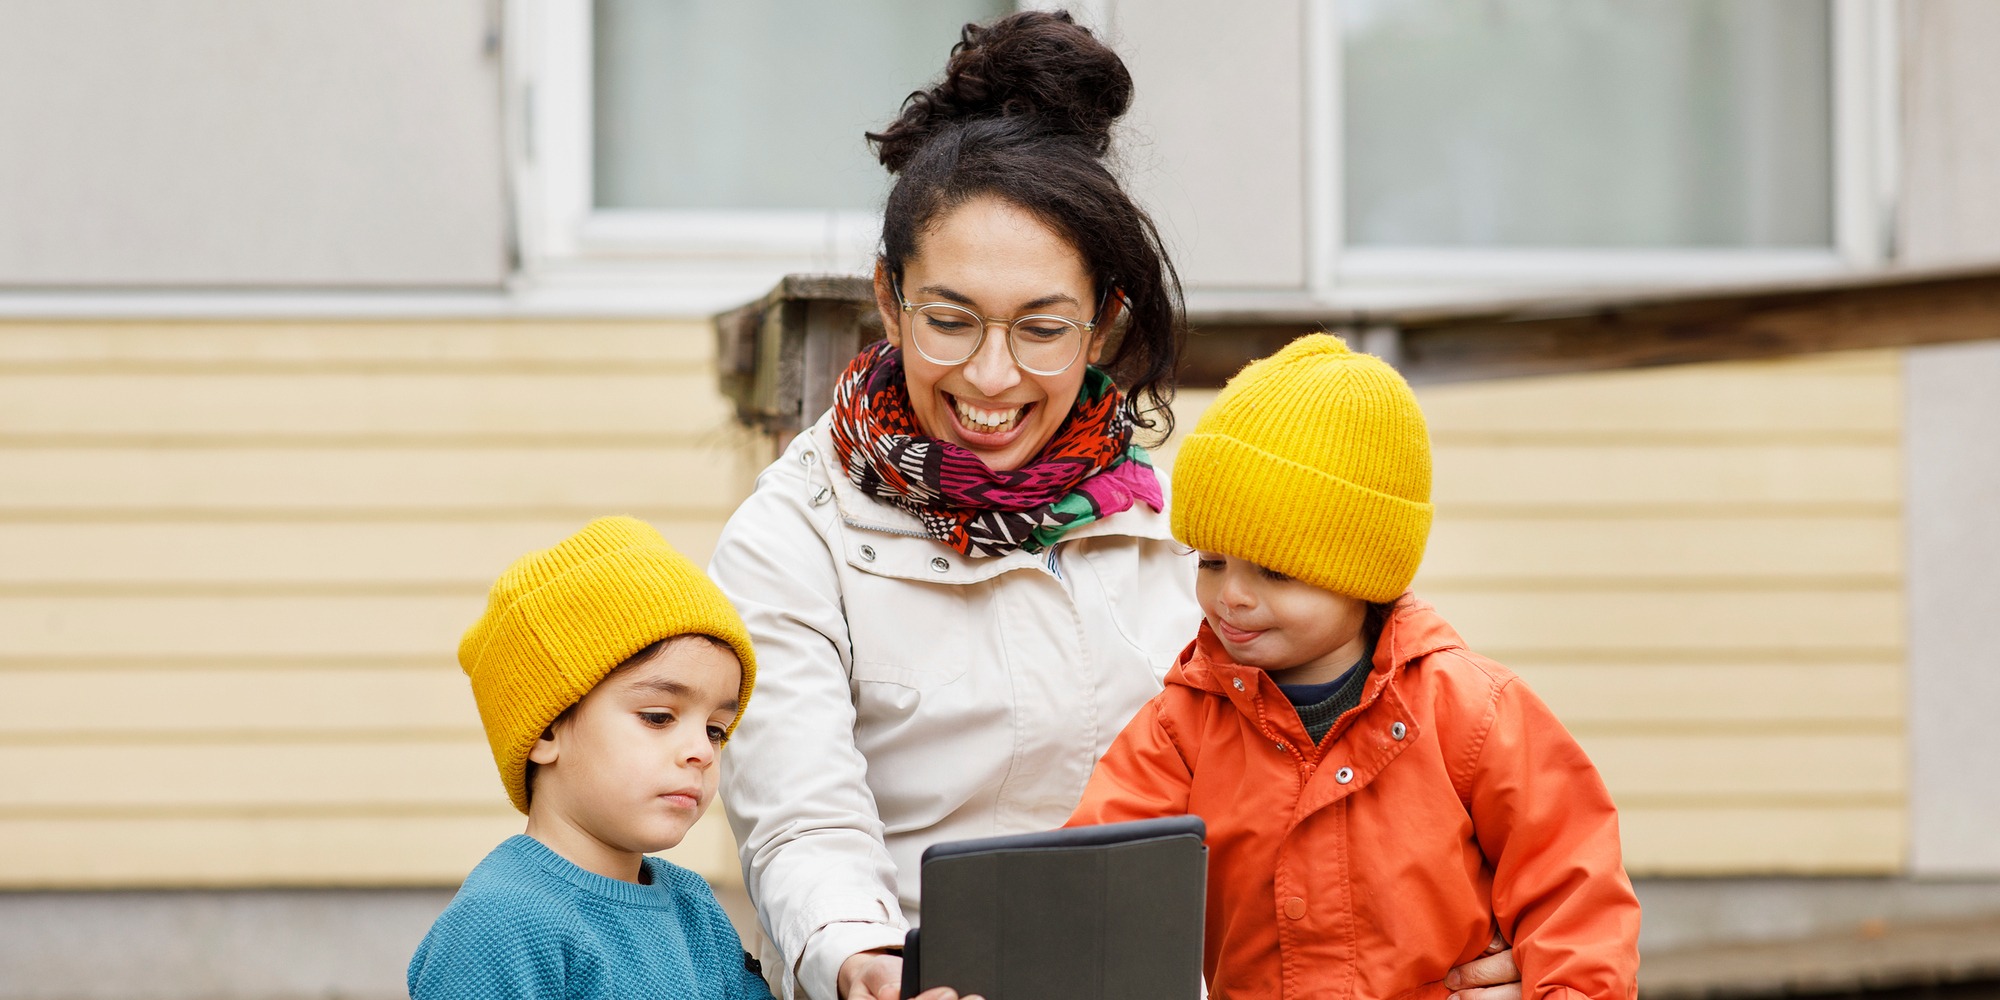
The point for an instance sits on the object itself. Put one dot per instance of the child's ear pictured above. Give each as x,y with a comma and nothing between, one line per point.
547,747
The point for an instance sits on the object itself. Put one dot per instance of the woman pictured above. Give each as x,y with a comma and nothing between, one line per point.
960,581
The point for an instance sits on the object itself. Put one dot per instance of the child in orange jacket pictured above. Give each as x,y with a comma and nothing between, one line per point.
1379,798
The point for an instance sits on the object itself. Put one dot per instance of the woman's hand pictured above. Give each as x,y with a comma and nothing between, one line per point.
878,975
1492,976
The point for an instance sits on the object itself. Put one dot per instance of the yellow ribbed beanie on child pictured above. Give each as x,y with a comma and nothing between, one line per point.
558,620
1313,462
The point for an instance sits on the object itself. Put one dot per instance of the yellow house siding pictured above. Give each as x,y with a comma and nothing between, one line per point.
235,559
1701,570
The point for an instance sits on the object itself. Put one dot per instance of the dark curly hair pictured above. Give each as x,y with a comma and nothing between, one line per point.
1025,112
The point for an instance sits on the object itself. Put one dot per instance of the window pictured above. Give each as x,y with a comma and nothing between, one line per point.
1601,139
690,152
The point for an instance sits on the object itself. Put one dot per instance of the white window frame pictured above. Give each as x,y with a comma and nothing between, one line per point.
1864,72
697,262
685,261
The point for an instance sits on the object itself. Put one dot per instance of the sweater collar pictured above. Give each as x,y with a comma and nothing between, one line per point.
658,894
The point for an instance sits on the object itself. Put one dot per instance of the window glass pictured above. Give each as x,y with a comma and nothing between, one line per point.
1587,123
758,104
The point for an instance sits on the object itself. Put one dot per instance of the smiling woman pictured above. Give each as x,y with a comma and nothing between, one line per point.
961,581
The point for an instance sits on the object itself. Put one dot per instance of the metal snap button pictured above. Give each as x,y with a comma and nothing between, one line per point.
1295,908
1398,731
1238,681
1344,775
822,496
868,552
941,564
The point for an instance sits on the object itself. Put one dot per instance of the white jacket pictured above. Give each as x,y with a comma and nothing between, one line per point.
907,694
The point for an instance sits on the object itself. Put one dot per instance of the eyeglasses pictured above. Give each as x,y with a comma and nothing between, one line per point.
1041,344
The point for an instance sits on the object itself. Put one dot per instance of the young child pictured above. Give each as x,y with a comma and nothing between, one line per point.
608,672
1379,798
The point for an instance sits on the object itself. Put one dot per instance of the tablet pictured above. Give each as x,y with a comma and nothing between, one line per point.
1110,912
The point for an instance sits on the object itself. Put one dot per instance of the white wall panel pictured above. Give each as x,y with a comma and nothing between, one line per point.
247,143
1216,147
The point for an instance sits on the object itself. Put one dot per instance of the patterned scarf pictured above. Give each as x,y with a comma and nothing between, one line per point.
1088,470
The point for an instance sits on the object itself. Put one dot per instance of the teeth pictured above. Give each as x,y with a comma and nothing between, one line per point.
992,421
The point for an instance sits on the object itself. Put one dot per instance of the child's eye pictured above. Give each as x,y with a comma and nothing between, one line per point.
1208,564
656,719
1272,574
716,733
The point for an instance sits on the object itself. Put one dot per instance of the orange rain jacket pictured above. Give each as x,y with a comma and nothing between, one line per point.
1450,801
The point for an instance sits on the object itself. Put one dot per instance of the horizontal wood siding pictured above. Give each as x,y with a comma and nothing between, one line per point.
235,560
1701,570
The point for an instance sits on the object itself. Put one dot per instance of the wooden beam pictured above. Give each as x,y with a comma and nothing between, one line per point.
1549,336
1725,327
779,356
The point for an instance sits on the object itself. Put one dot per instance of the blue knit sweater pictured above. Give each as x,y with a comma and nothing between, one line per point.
529,924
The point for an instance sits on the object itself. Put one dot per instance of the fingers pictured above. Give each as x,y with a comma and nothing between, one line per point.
1496,969
942,993
1495,946
1510,991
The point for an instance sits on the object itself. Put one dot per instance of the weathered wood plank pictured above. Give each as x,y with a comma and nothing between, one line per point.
168,555
1748,766
1720,621
1821,841
304,346
275,703
1829,698
1468,550
387,407
597,479
237,625
1561,477
416,775
267,850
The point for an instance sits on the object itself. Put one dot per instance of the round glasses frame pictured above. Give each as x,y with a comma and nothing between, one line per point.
985,323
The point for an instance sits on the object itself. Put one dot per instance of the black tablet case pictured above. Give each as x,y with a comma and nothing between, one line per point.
1110,912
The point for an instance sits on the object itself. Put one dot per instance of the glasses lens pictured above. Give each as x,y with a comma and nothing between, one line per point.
1045,345
946,334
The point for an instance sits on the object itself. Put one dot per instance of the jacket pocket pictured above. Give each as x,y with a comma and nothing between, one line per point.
918,673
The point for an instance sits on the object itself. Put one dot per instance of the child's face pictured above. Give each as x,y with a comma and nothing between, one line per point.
1270,621
633,765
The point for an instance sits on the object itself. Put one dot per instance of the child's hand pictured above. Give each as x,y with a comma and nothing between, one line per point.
876,975
1492,976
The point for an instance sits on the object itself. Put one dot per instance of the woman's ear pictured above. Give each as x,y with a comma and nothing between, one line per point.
1100,334
885,300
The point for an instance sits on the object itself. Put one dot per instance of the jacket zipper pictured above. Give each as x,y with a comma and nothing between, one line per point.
905,532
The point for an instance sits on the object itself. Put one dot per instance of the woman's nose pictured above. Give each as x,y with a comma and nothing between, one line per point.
991,368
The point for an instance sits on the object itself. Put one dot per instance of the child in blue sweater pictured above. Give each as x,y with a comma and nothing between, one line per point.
608,672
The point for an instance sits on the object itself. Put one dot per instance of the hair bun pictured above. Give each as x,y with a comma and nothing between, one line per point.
1032,66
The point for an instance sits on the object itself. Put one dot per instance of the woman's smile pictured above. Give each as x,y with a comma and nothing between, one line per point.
987,426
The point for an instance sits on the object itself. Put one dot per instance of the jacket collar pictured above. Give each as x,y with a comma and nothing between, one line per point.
862,511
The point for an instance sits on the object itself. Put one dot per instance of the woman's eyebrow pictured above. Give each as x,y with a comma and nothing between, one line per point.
950,294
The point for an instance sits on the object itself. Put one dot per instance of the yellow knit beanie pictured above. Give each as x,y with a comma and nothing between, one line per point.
1313,462
558,620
